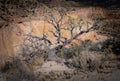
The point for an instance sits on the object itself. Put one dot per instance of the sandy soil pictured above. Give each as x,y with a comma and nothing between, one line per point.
53,68
114,76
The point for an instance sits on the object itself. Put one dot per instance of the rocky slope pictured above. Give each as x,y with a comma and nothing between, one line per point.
28,41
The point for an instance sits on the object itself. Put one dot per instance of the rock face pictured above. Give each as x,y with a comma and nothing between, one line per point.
13,33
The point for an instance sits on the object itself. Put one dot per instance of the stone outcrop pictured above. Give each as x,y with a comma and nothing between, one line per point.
11,35
13,31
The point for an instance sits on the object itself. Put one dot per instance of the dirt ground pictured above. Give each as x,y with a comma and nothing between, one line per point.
59,72
114,76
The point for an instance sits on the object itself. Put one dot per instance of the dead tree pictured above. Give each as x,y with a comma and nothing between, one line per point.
55,16
57,21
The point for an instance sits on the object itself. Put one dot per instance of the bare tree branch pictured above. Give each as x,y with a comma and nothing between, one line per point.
71,25
95,26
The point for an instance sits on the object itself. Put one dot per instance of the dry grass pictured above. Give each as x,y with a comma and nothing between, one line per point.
3,58
18,71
